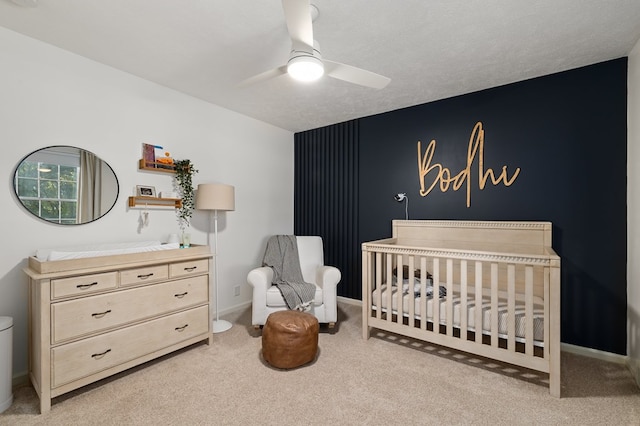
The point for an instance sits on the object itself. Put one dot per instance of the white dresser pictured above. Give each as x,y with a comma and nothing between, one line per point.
93,317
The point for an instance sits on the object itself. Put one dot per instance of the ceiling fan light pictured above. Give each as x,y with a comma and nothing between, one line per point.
305,68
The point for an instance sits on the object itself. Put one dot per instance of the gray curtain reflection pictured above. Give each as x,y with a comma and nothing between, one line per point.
90,182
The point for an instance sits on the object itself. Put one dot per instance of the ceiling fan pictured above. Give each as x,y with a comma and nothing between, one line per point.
305,61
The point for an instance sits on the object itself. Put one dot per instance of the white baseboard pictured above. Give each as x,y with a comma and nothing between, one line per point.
349,301
634,366
20,379
594,353
235,308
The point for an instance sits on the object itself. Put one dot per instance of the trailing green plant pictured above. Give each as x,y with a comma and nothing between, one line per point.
184,186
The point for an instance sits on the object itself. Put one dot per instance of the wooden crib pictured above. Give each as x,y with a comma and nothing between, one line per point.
427,280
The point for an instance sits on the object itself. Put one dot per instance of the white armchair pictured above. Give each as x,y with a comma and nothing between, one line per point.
268,299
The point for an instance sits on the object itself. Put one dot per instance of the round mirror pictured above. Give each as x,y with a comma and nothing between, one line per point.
65,185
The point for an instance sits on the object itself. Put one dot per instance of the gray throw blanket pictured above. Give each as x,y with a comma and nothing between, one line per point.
282,256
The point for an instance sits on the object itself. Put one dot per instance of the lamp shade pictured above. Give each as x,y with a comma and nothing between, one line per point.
215,196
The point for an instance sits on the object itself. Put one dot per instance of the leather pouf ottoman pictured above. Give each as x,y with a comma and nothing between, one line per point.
290,339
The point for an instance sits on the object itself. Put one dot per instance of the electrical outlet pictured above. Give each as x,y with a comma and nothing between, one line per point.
236,290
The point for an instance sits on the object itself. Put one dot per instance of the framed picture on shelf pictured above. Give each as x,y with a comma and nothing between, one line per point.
145,191
149,155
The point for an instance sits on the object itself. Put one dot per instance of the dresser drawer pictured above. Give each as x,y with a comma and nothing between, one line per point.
85,357
85,284
193,267
144,275
80,317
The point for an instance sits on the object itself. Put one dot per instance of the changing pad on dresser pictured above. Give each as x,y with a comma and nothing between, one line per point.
107,249
99,256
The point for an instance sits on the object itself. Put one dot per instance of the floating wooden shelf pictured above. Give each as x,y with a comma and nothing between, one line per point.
155,201
156,167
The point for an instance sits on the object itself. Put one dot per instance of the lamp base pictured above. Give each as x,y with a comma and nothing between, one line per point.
220,325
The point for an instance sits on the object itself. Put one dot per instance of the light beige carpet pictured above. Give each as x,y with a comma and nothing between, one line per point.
384,380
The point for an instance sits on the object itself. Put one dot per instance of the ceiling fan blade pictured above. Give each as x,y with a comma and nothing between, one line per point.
267,75
298,16
355,75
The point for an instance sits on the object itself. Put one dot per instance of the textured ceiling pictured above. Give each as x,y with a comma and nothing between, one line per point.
431,49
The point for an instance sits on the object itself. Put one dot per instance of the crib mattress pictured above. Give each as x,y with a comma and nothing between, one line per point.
521,320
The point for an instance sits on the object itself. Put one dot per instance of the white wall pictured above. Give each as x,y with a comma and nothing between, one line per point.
49,96
633,212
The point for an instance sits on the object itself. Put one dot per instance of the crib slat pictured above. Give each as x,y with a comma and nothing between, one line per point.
423,293
435,303
553,341
389,286
463,299
449,298
511,308
366,292
545,328
412,297
478,308
494,305
378,291
528,309
399,284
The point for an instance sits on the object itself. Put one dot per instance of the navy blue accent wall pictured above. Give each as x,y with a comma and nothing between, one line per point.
566,133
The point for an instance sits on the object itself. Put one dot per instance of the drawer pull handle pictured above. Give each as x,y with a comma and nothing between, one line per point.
100,314
190,269
98,356
181,329
144,277
181,295
86,286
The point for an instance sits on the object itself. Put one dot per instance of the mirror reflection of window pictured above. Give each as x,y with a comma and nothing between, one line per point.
47,184
65,185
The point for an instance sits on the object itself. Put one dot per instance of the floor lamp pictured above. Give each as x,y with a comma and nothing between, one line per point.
216,197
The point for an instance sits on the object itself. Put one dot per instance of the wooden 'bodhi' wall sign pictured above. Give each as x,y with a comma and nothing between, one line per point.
444,176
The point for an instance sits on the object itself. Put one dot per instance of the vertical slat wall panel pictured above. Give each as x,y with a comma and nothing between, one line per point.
326,194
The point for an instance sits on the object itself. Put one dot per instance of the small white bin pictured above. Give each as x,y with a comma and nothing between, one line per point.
6,365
